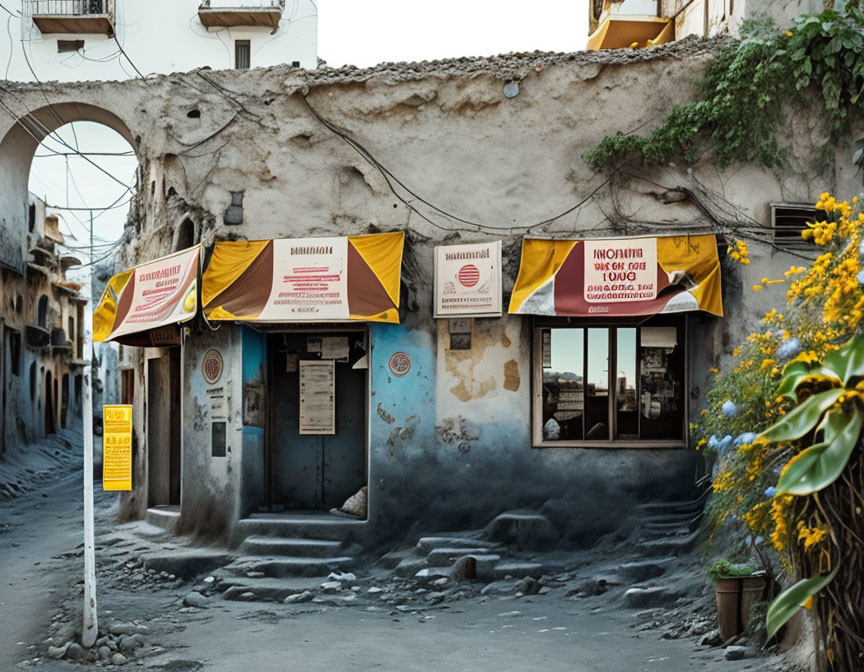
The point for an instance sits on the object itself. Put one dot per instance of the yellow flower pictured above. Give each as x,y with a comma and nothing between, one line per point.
788,33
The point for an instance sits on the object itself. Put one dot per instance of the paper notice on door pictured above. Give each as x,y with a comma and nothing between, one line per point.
317,397
334,347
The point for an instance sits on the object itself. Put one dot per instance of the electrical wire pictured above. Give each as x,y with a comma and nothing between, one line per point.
390,178
123,51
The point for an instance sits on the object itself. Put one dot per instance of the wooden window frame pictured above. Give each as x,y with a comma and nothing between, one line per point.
237,45
537,440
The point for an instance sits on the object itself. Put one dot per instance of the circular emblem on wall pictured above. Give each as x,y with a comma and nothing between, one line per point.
400,364
212,365
469,275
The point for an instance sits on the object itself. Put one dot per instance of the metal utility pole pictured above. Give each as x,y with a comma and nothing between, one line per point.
91,623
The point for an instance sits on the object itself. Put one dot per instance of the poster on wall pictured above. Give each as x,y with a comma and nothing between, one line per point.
468,280
317,397
117,448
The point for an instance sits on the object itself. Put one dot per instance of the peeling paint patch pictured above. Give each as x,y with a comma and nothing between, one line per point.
505,340
461,392
511,375
456,430
384,415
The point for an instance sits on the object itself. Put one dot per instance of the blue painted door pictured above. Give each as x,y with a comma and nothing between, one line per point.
316,471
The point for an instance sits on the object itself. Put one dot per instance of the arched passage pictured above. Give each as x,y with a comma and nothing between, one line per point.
17,149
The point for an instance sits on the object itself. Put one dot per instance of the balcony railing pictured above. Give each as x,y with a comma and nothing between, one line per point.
73,16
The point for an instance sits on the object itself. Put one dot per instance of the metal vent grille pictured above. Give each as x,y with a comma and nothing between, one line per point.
788,220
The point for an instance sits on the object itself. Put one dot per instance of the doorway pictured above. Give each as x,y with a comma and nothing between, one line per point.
50,422
163,429
316,445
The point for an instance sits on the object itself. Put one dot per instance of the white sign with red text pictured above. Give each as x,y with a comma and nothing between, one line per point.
468,280
163,292
620,270
310,280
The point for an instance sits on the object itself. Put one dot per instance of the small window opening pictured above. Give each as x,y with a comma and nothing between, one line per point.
66,46
15,352
31,218
42,311
194,114
33,381
242,53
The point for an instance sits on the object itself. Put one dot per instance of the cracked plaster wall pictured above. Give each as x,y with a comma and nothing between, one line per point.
449,444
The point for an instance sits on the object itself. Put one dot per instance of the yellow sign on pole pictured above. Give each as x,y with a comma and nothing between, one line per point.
117,447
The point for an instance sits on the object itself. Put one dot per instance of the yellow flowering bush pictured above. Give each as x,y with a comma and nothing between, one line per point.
805,534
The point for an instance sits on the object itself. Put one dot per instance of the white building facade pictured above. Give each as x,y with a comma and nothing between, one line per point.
79,40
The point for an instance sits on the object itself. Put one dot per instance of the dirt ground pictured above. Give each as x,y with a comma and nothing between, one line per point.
40,603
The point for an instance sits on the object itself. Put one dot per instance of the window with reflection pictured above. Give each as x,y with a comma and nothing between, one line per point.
610,383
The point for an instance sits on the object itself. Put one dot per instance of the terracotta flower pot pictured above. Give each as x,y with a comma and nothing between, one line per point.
735,598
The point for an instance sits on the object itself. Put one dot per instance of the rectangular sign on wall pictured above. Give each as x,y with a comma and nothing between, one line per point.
317,397
468,280
117,447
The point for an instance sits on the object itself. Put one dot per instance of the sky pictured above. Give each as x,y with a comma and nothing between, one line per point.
349,32
366,33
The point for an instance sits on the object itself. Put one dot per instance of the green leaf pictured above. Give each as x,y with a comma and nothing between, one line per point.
792,600
802,418
848,361
820,465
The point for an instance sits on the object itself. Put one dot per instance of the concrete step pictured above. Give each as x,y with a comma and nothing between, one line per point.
302,548
281,567
301,526
428,544
669,545
165,517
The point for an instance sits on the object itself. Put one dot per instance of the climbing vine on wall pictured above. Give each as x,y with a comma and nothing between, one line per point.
743,93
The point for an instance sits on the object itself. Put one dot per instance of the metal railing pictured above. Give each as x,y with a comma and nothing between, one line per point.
243,4
71,7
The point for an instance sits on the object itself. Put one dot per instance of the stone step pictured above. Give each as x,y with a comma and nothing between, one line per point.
669,545
447,556
267,589
671,522
642,570
688,506
526,530
302,526
302,548
428,544
519,570
281,567
186,564
165,517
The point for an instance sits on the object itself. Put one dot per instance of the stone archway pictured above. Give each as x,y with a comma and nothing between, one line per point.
16,156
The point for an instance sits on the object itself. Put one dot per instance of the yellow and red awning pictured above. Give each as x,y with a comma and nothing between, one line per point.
142,305
618,277
305,279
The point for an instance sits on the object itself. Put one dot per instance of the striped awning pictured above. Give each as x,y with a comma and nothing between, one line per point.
305,279
618,277
142,306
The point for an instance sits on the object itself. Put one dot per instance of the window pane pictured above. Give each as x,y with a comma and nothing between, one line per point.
662,377
625,384
597,392
563,393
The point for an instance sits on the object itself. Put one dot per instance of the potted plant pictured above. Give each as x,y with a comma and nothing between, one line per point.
736,586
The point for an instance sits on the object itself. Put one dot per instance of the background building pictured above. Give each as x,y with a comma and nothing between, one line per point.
69,40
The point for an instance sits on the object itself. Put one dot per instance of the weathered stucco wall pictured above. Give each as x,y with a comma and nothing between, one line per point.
449,444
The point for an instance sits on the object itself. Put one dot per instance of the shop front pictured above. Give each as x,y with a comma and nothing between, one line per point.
611,336
304,307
